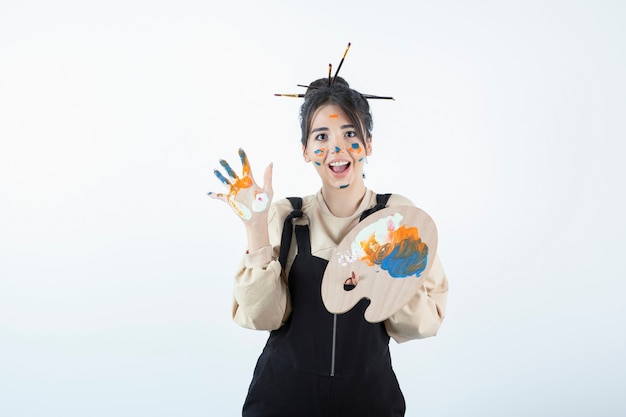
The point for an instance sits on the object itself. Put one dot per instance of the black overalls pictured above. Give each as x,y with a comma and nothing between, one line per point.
318,363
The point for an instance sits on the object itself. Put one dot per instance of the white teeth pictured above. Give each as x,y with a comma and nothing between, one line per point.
338,163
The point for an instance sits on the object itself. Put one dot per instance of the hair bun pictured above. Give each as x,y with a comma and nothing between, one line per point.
324,83
340,81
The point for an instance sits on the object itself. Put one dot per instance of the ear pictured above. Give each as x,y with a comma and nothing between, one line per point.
307,158
368,146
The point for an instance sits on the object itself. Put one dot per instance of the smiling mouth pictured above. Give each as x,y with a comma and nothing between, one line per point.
339,167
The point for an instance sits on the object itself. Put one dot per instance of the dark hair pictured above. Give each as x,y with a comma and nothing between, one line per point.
339,93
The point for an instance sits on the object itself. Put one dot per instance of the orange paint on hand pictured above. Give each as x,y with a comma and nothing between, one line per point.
245,181
236,184
241,183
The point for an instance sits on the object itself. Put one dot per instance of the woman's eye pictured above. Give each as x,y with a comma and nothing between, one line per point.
321,136
351,134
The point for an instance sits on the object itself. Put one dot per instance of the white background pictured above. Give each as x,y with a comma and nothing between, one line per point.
116,268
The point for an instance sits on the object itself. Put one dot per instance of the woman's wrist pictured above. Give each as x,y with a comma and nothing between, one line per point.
257,232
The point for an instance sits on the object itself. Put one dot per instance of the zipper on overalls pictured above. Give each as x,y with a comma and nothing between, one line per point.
332,352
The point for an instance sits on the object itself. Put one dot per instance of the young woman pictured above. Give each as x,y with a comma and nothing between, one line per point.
316,363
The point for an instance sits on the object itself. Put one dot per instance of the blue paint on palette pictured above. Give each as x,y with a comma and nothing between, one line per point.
401,266
401,254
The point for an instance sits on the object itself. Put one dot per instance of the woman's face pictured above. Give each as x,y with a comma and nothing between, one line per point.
334,148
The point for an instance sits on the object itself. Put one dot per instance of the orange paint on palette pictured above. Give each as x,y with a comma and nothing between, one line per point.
334,116
403,255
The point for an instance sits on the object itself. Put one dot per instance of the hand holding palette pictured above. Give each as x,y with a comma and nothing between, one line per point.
385,259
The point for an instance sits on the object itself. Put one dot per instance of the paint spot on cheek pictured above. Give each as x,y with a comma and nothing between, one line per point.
320,154
356,148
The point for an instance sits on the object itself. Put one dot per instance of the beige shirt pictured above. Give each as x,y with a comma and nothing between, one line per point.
261,295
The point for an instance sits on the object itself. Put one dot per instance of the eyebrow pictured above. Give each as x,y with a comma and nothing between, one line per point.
320,129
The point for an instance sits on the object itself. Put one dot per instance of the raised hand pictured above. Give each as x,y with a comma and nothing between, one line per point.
244,195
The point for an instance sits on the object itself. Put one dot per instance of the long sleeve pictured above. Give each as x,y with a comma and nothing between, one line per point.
422,316
260,293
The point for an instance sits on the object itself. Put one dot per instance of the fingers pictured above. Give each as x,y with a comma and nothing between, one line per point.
244,162
217,196
263,196
350,283
267,179
231,172
221,177
228,169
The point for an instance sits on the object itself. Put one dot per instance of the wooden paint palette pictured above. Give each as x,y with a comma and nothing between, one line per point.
389,254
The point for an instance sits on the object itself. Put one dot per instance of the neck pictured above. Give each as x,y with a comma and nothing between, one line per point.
344,202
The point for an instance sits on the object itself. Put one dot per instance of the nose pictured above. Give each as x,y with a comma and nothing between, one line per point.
335,149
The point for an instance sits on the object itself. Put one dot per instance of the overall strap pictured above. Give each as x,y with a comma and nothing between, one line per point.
381,203
303,239
285,241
